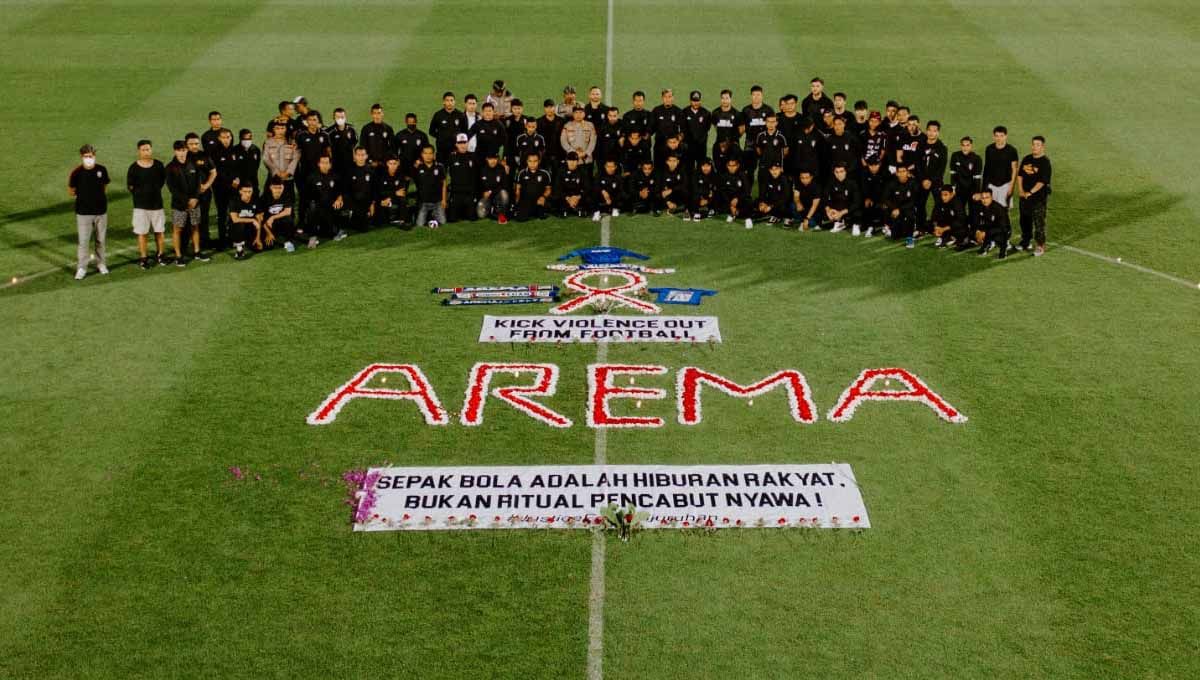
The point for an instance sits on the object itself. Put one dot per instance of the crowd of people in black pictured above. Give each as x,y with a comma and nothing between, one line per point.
812,164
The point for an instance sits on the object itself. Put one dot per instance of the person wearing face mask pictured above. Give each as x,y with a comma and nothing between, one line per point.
88,184
251,160
342,140
409,142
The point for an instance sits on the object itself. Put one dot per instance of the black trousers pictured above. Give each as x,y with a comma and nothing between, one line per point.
1033,222
226,234
205,204
461,207
528,209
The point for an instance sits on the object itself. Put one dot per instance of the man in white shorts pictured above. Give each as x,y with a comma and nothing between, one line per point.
145,181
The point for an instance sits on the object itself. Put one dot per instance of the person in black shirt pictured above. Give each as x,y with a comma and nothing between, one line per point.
609,139
769,145
533,188
666,120
211,138
286,112
908,145
859,124
208,173
595,111
313,144
531,143
244,223
839,110
1033,186
609,190
391,193
775,194
184,180
966,173
842,147
1000,166
275,215
816,100
550,127
359,184
992,226
874,140
806,194
326,198
806,153
900,201
378,138
463,172
674,147
732,193
430,178
227,159
948,221
444,126
250,160
408,144
493,190
641,190
729,123
489,134
754,116
703,188
673,186
874,180
88,184
571,188
515,127
842,200
697,121
636,118
342,140
637,150
931,165
145,179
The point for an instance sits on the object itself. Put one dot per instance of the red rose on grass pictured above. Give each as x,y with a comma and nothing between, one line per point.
628,518
782,520
472,518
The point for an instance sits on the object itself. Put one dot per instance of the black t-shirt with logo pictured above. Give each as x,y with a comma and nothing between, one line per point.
430,179
756,121
90,198
145,185
1032,171
270,206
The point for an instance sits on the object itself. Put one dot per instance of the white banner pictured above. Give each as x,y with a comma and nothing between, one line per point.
571,496
601,327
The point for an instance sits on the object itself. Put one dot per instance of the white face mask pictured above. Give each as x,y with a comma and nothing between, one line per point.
340,121
89,163
247,143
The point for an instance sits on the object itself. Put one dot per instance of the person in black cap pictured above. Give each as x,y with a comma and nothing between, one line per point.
444,126
703,184
463,172
378,138
494,191
571,187
697,121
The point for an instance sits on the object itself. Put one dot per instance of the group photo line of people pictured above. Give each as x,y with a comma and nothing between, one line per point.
813,164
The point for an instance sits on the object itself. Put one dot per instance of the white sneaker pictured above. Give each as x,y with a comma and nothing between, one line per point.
938,243
596,216
838,226
340,235
729,220
433,224
749,223
616,213
80,273
855,230
289,246
313,242
887,232
687,217
103,269
870,232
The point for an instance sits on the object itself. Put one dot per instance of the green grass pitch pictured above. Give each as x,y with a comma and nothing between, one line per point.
1054,535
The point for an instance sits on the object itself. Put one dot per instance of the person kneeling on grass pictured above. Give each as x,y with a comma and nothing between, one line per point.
704,184
275,214
609,190
948,219
672,186
775,195
842,201
533,189
806,196
570,187
643,189
430,178
900,201
493,189
993,226
324,195
732,195
245,224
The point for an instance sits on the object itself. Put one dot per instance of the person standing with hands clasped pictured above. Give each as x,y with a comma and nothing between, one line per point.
145,179
1033,186
88,184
